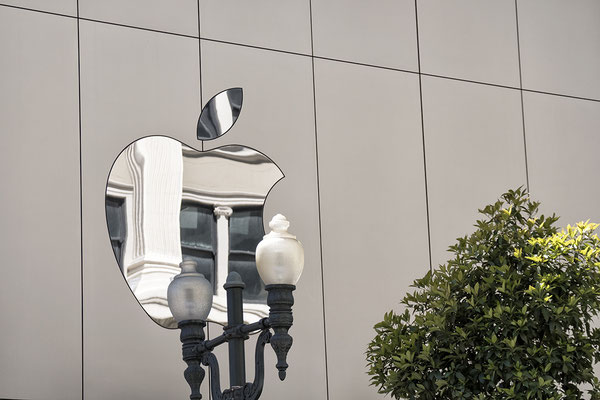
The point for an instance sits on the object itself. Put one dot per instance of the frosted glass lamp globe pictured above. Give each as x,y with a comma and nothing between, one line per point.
189,295
279,256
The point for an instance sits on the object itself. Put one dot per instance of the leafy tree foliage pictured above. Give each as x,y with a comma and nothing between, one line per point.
509,317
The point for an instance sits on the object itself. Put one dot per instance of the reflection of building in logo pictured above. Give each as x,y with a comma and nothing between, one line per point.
167,202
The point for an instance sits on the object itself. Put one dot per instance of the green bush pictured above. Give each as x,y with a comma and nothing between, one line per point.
509,317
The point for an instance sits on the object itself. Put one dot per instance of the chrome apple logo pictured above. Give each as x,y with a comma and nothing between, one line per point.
167,202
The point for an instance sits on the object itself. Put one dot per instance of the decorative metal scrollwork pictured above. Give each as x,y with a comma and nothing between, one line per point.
250,391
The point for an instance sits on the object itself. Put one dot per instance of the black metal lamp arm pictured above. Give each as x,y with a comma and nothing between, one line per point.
197,351
230,332
250,391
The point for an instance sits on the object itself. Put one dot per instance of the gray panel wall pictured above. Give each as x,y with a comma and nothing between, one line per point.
133,83
40,241
392,123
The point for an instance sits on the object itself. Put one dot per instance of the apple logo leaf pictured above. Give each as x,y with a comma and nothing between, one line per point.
220,113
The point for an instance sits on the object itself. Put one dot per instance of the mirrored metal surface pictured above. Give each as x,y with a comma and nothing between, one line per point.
166,202
220,113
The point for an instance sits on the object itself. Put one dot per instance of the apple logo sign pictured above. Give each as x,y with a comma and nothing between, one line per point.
167,202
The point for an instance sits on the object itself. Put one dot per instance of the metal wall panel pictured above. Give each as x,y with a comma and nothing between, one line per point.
277,119
40,291
356,31
273,24
66,7
133,84
562,150
470,39
177,16
560,50
475,152
372,208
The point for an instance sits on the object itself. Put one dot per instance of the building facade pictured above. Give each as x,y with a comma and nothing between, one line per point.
392,121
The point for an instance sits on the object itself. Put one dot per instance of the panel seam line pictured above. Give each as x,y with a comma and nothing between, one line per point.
312,59
423,138
80,200
521,93
569,96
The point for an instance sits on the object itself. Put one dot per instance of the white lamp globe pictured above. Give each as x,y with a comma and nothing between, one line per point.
189,294
279,256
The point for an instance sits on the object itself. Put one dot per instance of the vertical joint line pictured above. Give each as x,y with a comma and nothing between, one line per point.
423,137
312,60
80,198
199,54
200,68
202,148
208,370
521,93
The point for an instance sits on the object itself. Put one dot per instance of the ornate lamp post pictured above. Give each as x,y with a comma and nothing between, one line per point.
280,260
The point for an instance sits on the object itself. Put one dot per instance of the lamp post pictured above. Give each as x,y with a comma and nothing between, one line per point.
280,260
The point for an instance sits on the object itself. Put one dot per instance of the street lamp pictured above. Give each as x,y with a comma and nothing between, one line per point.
280,260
